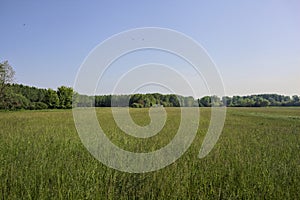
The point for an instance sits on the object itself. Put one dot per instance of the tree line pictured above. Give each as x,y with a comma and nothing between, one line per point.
135,100
258,100
17,96
172,100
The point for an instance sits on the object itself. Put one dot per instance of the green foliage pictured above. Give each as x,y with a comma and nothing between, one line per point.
256,157
167,100
137,105
84,100
216,101
33,94
143,100
38,106
51,99
261,100
14,101
205,101
103,101
65,95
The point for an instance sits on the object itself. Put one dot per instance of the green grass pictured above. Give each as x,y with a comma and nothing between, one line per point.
256,157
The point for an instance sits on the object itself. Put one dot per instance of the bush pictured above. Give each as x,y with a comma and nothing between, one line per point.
38,106
137,105
15,102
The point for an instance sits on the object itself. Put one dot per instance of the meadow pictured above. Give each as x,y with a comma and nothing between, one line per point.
256,157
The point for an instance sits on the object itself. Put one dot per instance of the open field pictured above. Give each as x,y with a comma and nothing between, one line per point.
256,157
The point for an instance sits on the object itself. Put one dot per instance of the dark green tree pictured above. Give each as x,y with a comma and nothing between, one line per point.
205,101
295,100
17,101
65,95
51,99
227,101
261,102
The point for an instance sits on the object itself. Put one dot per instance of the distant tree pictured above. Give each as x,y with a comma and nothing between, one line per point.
85,101
235,101
52,99
136,98
6,77
165,100
15,102
287,101
120,100
103,101
205,101
174,100
246,102
65,95
216,101
226,101
249,102
261,102
137,105
296,98
38,106
189,101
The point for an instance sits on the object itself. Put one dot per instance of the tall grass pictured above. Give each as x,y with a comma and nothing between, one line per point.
256,157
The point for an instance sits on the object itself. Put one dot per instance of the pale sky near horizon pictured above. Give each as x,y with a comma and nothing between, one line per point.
255,44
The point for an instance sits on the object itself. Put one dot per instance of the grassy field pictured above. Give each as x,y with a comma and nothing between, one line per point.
256,157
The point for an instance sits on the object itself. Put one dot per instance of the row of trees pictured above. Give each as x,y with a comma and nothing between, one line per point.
17,96
172,100
135,100
261,100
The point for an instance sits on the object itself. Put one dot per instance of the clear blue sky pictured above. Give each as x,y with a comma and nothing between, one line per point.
255,44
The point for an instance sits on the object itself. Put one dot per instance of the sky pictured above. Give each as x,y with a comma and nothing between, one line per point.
254,44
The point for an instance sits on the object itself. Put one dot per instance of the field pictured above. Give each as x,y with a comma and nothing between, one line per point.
256,157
